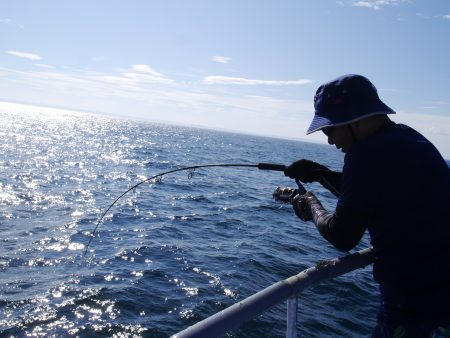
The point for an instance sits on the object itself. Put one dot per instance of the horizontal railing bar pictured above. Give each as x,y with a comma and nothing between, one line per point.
235,315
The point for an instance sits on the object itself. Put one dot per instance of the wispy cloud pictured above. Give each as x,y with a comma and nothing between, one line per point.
377,4
25,55
8,21
146,69
249,82
446,17
124,81
221,59
167,99
438,105
422,15
190,102
42,65
146,77
145,73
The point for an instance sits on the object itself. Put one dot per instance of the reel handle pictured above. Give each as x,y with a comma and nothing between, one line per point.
301,188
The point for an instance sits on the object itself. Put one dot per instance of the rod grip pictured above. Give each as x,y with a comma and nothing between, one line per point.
271,166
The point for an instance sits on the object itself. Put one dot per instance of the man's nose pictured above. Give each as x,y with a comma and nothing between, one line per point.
330,140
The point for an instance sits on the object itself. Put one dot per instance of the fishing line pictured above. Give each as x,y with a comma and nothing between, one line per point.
262,166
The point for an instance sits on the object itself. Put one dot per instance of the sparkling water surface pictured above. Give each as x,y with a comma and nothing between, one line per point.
172,251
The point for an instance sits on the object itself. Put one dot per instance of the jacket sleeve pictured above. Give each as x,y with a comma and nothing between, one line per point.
344,228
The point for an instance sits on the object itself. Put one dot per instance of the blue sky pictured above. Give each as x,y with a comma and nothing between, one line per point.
242,65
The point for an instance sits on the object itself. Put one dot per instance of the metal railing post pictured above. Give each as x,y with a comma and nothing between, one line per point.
291,320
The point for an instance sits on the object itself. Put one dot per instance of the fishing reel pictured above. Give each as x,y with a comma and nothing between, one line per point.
286,194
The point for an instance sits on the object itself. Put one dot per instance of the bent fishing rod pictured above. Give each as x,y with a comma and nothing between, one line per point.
261,166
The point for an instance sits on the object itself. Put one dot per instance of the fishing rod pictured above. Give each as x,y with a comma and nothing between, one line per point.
261,166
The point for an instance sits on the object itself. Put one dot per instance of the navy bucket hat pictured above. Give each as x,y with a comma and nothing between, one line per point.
344,100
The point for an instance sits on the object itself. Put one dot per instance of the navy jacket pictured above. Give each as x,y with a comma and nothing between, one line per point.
401,183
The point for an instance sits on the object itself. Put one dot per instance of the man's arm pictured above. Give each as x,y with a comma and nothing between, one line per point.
344,228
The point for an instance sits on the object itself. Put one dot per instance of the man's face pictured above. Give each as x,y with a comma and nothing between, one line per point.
340,136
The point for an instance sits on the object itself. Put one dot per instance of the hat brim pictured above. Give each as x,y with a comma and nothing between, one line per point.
321,122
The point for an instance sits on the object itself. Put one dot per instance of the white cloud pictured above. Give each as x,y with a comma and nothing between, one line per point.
377,4
169,101
146,77
146,69
423,16
126,84
42,65
249,82
446,17
221,59
29,56
436,105
190,103
365,4
137,73
5,20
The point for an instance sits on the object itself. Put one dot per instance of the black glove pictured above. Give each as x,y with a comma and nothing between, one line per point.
305,170
301,206
284,194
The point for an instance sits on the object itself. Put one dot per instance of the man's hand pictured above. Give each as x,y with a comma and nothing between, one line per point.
301,206
305,170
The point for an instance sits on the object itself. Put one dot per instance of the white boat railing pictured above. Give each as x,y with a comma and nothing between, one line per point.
234,316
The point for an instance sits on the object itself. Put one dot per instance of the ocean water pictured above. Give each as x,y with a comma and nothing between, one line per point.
169,253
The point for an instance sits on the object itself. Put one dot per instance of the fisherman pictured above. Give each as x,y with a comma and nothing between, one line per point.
395,184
